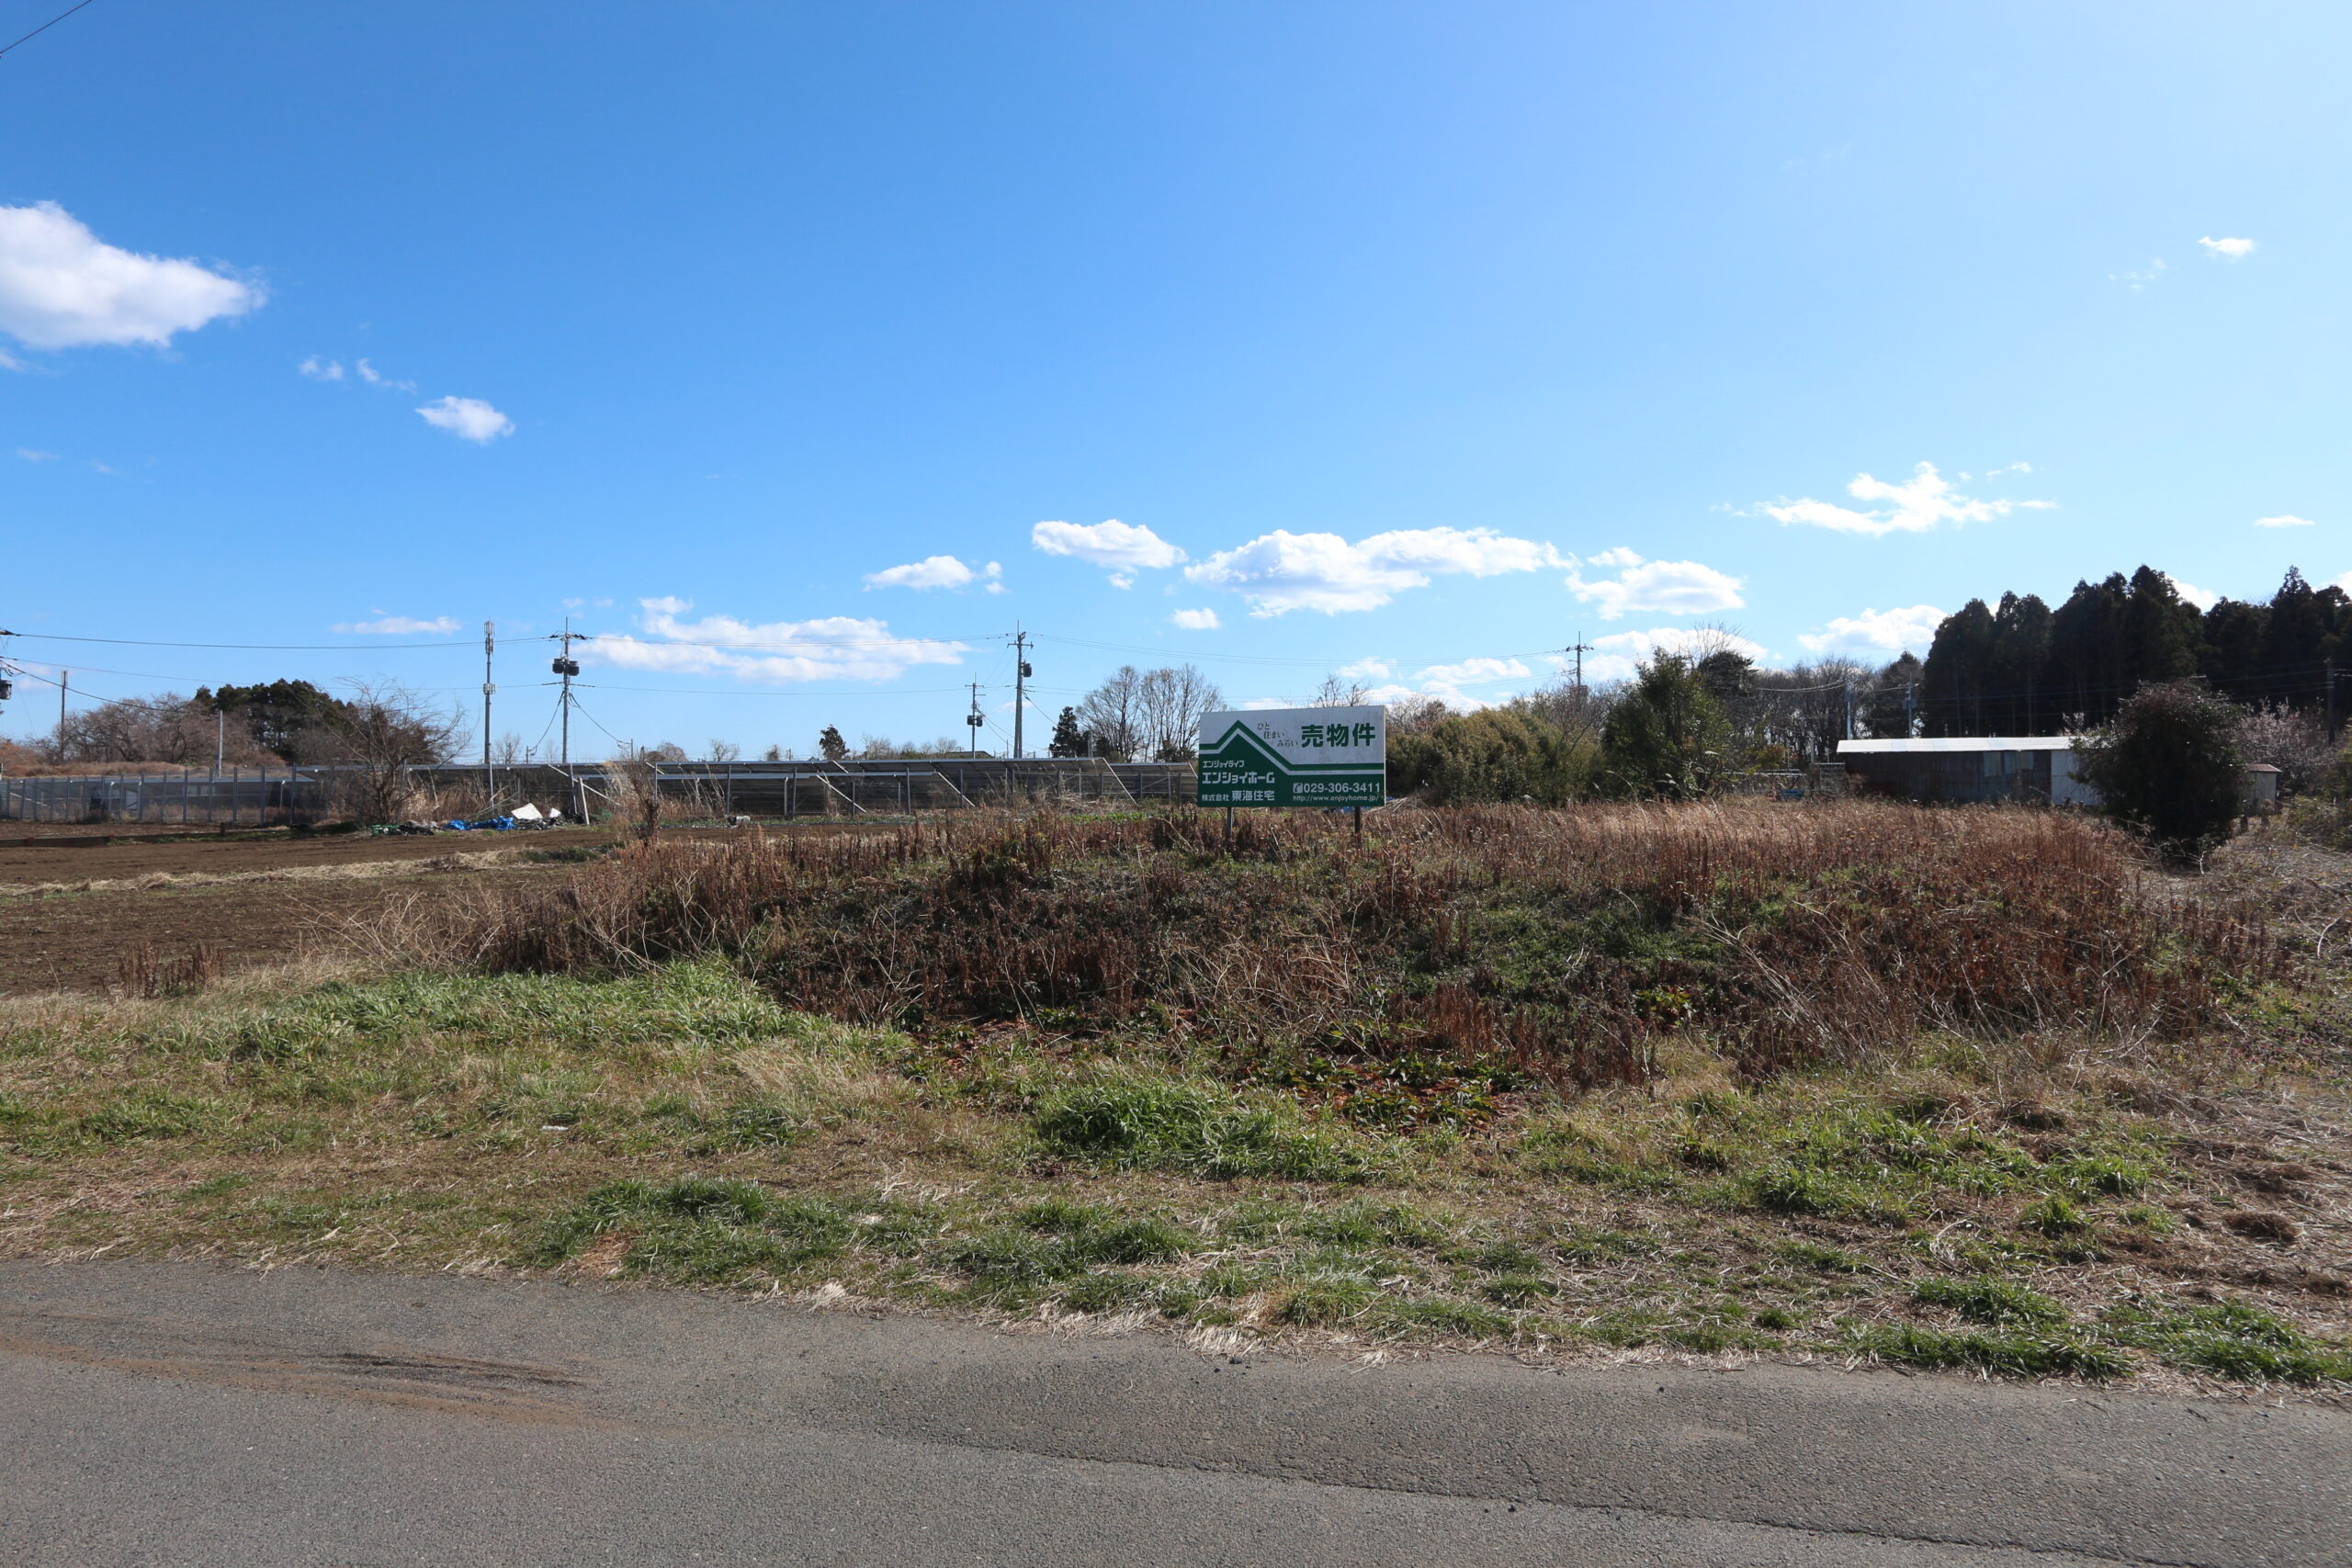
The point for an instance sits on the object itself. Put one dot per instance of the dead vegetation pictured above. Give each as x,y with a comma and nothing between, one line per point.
1570,946
1957,1088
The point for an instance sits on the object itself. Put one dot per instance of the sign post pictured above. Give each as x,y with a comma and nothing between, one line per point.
1313,757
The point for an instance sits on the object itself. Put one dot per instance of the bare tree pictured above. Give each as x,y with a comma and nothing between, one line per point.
510,751
1112,715
1337,691
725,751
382,730
1172,701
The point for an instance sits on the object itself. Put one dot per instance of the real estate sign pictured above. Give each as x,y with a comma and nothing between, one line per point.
1294,757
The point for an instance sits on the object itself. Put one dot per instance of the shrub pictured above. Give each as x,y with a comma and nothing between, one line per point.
2169,766
1665,737
1493,755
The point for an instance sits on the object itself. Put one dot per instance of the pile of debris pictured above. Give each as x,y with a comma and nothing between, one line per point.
524,817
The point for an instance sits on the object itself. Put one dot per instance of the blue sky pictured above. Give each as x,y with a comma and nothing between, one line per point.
1395,337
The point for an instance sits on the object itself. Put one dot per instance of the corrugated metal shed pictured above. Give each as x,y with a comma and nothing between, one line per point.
2036,768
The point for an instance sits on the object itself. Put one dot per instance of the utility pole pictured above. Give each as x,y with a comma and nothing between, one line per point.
1850,707
489,646
1910,706
975,718
2331,699
567,667
1019,683
1580,647
64,677
219,738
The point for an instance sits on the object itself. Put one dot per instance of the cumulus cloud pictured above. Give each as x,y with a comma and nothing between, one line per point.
1281,571
62,286
2284,520
833,647
1196,620
469,419
937,571
2194,594
1877,631
1465,686
1924,501
318,370
1653,587
399,626
1125,548
2229,249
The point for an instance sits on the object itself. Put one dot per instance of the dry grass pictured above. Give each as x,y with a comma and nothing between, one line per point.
1571,946
2036,1113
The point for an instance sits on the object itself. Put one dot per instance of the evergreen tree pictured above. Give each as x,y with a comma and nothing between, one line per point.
1069,741
1892,712
2086,671
830,745
1958,672
2161,631
2015,704
1666,736
2233,636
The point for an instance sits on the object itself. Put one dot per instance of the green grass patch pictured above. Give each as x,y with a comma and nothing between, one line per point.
1151,1124
2231,1340
2015,1354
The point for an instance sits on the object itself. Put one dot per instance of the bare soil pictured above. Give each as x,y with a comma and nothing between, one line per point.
71,911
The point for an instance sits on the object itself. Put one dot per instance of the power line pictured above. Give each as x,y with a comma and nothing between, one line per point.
45,26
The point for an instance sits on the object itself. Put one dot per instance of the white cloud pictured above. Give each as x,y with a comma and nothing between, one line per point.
2285,520
1878,631
2233,249
833,648
2194,594
1196,620
399,626
318,370
469,419
1661,587
1373,669
2136,281
1615,655
30,456
62,286
1281,571
938,571
1125,548
1447,683
368,374
1915,507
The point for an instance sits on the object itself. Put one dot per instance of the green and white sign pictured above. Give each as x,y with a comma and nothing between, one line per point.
1294,757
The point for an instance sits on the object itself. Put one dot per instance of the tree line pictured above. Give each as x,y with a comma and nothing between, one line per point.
2020,668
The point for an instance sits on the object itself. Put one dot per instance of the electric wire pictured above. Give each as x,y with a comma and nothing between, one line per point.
45,26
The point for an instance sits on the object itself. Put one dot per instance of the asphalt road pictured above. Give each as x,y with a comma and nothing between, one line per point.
181,1414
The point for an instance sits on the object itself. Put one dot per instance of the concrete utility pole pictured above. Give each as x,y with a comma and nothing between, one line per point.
64,678
975,718
1019,683
566,667
489,646
1580,647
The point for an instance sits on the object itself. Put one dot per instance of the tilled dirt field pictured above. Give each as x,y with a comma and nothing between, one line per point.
70,912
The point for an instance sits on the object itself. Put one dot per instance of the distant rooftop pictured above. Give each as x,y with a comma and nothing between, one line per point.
1961,743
